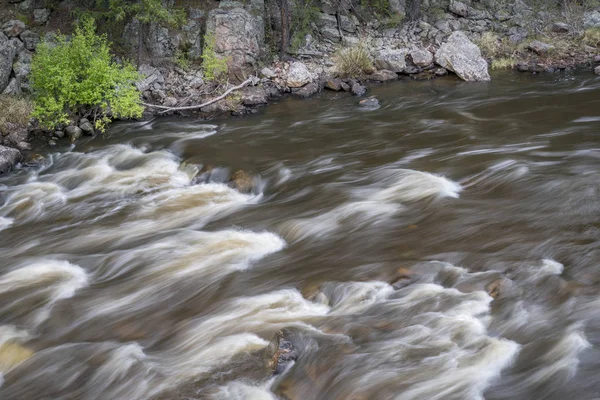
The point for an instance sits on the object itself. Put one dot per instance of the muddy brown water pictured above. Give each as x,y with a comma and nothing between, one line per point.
370,237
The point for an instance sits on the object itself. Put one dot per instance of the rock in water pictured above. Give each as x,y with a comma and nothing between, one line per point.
8,158
242,181
370,103
461,56
597,70
298,75
74,132
383,76
86,126
358,89
334,84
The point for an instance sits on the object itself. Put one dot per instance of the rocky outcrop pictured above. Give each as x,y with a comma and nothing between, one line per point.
461,56
9,157
238,33
8,50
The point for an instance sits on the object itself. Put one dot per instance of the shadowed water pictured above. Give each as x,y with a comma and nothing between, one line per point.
444,246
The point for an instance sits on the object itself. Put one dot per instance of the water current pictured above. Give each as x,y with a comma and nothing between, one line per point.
444,246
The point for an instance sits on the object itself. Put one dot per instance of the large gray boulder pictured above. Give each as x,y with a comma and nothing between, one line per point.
153,79
461,56
421,57
239,36
7,55
9,157
391,60
298,75
591,19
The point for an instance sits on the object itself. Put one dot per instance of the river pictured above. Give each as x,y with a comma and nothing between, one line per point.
371,238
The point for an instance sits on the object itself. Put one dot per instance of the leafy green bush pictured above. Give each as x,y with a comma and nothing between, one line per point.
77,77
213,66
353,62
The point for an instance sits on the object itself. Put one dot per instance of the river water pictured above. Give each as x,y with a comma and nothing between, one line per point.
444,246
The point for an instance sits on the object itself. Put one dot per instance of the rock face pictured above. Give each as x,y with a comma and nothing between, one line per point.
298,75
461,56
591,19
392,60
540,48
8,158
7,55
239,35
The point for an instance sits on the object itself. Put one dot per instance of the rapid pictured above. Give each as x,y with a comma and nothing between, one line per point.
443,246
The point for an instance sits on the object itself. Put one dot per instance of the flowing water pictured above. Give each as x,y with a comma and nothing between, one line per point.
445,246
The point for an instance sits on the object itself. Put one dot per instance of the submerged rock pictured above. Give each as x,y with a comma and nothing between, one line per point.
307,90
9,157
461,56
74,132
370,103
279,353
11,355
358,89
242,181
334,84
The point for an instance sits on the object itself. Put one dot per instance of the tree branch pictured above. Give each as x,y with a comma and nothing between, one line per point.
211,101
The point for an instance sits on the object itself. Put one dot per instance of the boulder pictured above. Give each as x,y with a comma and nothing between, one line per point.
307,90
170,101
334,84
239,36
22,65
591,19
392,60
254,96
560,27
152,77
383,76
41,15
7,55
13,28
421,57
298,75
597,70
74,132
461,56
9,157
86,126
30,39
459,8
358,89
540,48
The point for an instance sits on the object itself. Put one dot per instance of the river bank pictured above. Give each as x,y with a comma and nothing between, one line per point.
451,37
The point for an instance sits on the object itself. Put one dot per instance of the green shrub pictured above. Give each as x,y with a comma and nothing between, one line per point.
14,112
78,78
353,62
490,44
213,66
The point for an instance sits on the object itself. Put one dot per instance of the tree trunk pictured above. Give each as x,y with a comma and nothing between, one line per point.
284,7
413,10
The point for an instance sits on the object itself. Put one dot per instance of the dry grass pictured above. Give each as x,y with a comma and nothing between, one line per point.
591,37
503,63
353,62
14,112
490,44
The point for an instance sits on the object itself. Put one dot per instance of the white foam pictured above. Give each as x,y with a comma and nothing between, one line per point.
243,391
48,281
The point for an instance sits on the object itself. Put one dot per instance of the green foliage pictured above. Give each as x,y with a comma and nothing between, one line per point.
78,77
182,59
214,67
14,112
353,62
145,11
306,13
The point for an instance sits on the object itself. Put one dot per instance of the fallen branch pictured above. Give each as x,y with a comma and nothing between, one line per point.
211,101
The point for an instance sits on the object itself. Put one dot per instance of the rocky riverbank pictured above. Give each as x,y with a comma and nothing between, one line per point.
463,38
